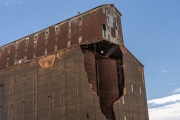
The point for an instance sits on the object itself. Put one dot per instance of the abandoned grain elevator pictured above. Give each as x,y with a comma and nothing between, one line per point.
78,69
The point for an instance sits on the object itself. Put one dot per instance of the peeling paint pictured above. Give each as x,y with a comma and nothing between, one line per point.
47,61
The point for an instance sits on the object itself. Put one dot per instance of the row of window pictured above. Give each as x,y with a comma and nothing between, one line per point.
132,89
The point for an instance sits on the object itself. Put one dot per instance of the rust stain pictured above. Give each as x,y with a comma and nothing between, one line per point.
123,49
124,91
47,61
59,54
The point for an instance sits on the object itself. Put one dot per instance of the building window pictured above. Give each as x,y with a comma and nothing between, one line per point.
69,30
132,89
107,12
107,20
55,47
123,101
26,48
56,28
47,32
80,21
34,55
45,52
17,43
117,33
69,43
25,57
35,43
46,40
35,37
7,64
140,89
80,39
7,58
26,40
125,118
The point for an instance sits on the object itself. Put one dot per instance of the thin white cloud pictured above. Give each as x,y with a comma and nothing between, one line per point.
165,71
166,108
166,112
5,3
165,100
176,90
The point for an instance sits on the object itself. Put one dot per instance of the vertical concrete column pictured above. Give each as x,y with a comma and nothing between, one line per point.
90,66
108,86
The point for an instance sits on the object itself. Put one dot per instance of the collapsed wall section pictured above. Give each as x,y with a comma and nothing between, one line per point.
32,91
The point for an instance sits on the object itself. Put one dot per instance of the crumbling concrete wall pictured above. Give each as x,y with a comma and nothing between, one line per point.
56,91
133,104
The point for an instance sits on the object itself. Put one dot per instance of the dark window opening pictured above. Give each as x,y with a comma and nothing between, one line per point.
87,116
104,27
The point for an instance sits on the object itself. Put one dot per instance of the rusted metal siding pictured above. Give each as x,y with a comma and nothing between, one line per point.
108,86
92,26
59,92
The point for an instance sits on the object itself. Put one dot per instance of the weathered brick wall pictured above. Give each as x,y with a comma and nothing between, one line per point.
32,91
133,104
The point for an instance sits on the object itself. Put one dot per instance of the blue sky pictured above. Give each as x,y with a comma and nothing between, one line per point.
151,30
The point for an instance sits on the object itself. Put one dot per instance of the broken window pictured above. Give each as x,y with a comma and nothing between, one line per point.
104,27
